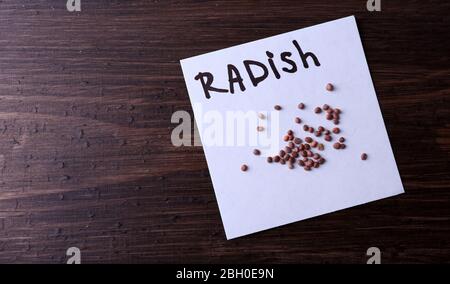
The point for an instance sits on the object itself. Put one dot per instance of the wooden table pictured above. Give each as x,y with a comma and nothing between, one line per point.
86,158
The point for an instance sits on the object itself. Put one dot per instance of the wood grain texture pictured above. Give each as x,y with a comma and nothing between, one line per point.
85,154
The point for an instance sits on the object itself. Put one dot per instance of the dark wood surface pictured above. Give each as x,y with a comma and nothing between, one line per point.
85,154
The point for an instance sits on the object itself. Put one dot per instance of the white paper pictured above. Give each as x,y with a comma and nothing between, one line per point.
270,195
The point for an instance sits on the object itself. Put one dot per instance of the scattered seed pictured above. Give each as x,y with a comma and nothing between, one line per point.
336,130
244,168
269,159
363,156
321,147
256,152
317,110
277,107
342,139
301,105
329,87
298,120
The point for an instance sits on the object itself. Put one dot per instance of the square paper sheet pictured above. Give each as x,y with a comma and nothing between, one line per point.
270,195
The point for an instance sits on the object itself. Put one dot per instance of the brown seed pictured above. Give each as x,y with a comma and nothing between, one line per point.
307,168
277,107
328,138
304,154
291,137
314,144
317,110
363,156
321,128
297,140
321,161
282,161
330,110
301,105
301,147
316,165
261,115
288,149
305,159
335,116
310,153
343,146
282,153
337,111
329,116
291,166
325,107
321,147
318,133
301,163
336,130
316,156
269,159
327,132
309,163
336,121
298,120
260,128
292,159
311,130
244,168
305,127
308,139
276,159
256,152
286,138
291,145
307,146
342,139
329,87
290,132
336,145
294,154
